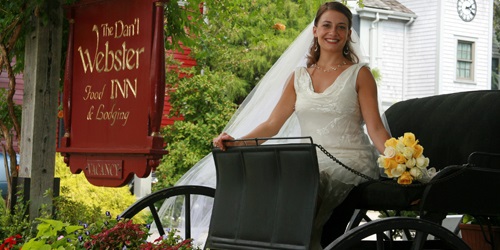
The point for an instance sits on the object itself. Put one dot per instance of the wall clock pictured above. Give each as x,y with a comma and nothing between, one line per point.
466,9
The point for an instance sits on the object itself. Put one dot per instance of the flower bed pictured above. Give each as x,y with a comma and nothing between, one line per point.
108,234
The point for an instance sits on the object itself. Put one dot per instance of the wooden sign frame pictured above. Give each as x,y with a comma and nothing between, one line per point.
114,88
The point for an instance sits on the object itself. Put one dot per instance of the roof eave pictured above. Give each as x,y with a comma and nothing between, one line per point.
370,13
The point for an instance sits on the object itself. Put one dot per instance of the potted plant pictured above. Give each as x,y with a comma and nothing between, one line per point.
481,233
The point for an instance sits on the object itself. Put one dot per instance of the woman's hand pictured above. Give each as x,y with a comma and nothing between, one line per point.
219,141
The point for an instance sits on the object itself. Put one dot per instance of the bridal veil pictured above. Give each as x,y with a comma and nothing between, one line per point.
255,109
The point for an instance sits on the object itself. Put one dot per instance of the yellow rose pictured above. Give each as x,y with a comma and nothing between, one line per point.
418,150
391,143
390,163
405,178
388,173
400,158
409,140
400,146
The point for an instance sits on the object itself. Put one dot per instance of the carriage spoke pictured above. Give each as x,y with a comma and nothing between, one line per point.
157,220
361,235
161,195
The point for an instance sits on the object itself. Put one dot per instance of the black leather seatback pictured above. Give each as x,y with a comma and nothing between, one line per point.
265,197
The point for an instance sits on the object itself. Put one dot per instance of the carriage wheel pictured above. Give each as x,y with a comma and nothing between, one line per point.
379,229
150,200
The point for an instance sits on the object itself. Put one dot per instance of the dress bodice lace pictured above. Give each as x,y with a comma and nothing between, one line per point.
333,119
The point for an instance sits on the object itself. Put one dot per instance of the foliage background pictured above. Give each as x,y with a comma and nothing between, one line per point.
79,202
84,201
236,47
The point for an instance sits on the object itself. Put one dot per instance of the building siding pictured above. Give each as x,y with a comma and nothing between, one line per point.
391,68
422,53
478,31
419,59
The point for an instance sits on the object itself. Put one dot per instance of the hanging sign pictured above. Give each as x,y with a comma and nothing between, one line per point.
114,88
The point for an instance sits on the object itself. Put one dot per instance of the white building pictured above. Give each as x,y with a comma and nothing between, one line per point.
427,47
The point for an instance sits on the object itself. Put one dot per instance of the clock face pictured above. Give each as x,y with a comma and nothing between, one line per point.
466,9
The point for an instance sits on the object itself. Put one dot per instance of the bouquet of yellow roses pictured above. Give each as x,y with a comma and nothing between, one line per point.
403,159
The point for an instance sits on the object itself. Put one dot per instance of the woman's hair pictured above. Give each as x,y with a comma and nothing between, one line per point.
314,53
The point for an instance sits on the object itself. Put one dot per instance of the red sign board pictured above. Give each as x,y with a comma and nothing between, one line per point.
114,89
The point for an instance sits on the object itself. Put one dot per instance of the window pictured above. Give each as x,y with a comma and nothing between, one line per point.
465,62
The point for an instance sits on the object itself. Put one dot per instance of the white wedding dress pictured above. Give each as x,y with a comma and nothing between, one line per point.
344,137
333,119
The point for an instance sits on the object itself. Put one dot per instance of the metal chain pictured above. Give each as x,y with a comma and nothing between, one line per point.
417,185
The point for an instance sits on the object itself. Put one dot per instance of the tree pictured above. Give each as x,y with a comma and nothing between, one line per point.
240,42
12,20
205,101
247,37
496,20
14,26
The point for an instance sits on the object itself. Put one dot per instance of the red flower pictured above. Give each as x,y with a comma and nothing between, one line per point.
10,242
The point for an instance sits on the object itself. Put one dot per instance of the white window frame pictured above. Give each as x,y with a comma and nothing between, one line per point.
461,61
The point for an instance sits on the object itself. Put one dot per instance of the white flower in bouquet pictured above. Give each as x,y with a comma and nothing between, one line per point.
403,159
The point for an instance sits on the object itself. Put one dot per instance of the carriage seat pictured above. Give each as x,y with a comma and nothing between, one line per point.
265,197
450,127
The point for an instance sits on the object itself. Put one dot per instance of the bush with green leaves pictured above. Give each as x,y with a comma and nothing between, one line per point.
80,200
241,36
72,211
54,234
481,220
122,235
205,102
106,233
15,222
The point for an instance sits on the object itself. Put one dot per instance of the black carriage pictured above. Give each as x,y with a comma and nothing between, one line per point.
266,195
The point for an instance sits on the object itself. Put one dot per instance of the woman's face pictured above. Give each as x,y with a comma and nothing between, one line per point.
332,31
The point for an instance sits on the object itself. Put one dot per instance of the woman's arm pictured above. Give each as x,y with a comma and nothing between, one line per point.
281,112
368,102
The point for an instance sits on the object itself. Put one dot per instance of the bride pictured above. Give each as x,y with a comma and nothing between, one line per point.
317,88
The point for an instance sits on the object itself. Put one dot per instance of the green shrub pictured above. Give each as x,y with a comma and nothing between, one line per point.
54,234
206,104
107,233
15,222
81,201
74,212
